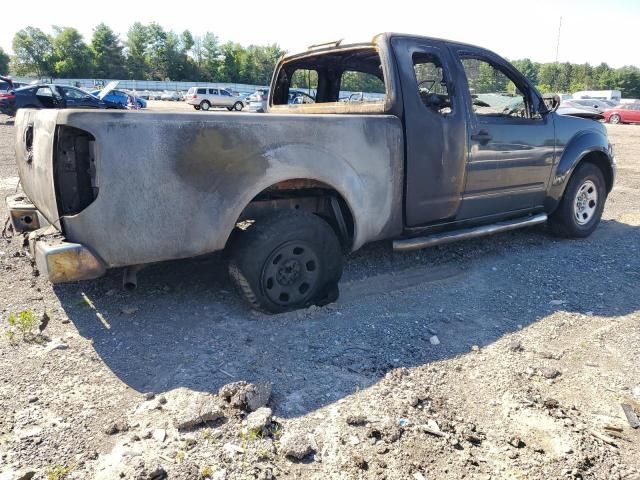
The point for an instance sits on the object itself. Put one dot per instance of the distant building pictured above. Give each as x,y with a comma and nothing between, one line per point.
599,94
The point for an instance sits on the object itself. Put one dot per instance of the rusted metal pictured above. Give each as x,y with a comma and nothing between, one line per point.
61,261
24,215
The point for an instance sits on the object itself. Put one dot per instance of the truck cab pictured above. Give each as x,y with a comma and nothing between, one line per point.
480,142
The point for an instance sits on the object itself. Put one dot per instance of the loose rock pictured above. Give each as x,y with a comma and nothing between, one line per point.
192,409
549,373
116,427
516,442
160,435
515,345
250,396
295,445
259,420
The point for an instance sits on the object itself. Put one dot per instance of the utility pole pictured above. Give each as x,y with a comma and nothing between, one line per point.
558,40
557,69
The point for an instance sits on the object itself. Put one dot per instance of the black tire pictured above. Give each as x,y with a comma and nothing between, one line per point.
569,220
205,105
238,106
197,107
287,260
229,108
615,119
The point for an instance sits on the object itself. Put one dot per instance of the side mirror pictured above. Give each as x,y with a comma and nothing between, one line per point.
549,103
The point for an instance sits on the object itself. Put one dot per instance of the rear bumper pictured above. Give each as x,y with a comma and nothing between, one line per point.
58,260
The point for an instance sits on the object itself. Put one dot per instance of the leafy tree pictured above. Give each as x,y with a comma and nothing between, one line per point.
232,58
528,69
627,80
187,41
4,62
136,47
198,53
33,53
211,56
71,55
109,60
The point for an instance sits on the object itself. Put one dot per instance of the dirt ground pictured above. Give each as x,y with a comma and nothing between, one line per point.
506,357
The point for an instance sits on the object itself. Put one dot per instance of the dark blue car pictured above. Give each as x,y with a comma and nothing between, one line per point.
118,96
51,96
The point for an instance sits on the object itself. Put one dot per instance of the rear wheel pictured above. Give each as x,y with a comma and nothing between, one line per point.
615,118
581,206
285,261
205,105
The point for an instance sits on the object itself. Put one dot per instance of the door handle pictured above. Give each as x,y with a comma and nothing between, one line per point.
482,137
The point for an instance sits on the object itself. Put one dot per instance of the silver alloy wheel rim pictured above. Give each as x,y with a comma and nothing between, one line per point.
238,106
615,119
586,202
204,106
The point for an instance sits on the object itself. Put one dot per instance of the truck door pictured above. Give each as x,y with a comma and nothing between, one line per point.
511,145
435,131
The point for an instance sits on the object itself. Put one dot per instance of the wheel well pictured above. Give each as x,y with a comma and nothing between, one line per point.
600,160
308,195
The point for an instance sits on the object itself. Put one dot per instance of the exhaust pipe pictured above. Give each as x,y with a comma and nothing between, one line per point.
130,277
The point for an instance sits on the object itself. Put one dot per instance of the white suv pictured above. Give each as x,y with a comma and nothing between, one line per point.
204,98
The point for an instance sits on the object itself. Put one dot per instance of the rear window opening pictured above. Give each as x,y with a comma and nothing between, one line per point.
343,80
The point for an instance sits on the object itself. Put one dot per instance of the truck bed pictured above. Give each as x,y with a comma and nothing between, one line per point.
173,185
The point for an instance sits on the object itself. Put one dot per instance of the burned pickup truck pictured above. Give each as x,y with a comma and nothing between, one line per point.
449,142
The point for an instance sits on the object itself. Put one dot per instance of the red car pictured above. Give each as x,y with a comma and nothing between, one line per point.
627,113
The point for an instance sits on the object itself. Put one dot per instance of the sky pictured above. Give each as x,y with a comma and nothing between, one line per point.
593,31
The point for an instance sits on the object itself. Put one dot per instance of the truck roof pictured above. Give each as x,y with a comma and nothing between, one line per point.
338,45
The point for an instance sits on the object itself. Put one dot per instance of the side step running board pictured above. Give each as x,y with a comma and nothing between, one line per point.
448,237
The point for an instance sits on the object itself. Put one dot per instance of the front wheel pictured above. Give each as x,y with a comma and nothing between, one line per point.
581,206
615,118
238,106
285,261
197,107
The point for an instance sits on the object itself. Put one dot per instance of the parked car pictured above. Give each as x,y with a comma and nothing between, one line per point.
258,101
51,96
285,193
203,98
171,96
626,113
300,98
121,97
144,94
597,106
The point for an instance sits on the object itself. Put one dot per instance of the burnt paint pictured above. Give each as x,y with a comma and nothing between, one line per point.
207,156
174,186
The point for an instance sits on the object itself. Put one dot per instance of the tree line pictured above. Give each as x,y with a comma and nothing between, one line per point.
149,52
572,77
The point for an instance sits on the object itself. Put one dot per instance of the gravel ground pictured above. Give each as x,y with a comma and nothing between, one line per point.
503,357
